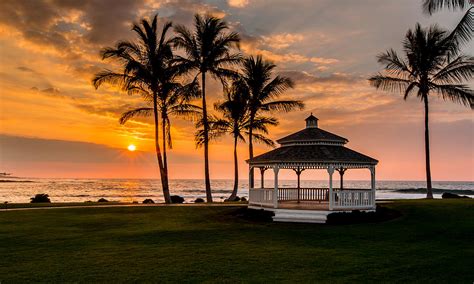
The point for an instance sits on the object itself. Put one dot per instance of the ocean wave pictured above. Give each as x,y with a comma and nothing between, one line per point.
435,191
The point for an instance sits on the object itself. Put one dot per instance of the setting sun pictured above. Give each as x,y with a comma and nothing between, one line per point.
132,147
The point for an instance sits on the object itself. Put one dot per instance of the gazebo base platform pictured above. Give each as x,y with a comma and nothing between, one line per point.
303,212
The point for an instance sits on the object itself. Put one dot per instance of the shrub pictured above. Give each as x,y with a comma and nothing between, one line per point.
254,215
41,198
199,200
448,195
381,214
148,201
102,200
176,199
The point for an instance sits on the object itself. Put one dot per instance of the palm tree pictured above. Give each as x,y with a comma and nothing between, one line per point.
428,68
173,100
236,121
264,90
208,49
465,28
142,62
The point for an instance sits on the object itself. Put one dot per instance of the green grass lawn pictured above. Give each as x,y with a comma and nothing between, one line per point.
431,242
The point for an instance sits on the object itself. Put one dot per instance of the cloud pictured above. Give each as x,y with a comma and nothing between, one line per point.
238,3
283,40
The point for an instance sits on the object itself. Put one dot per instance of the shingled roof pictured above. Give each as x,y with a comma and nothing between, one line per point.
313,153
312,135
313,145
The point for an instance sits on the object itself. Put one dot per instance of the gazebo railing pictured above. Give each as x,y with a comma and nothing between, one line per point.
349,198
261,196
303,194
353,198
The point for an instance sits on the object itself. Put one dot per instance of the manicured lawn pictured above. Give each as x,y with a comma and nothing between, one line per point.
431,242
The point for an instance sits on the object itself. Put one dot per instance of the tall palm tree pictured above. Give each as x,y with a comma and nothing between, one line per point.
208,49
142,63
264,90
428,68
465,28
173,100
236,121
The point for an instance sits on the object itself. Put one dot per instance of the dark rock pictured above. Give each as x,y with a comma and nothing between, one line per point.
199,200
102,200
176,199
235,199
243,199
148,201
135,202
40,198
448,195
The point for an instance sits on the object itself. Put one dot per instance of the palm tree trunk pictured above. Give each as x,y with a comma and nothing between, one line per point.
163,178
236,173
251,174
165,161
206,139
429,189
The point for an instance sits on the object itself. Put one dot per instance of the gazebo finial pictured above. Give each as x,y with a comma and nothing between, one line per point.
311,121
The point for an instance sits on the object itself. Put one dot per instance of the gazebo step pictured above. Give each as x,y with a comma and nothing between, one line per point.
300,216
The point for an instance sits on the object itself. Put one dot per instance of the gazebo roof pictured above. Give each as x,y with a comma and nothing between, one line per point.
312,145
312,135
322,154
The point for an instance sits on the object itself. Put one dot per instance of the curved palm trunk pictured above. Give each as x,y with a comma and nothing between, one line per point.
236,173
429,193
206,140
163,177
165,161
251,174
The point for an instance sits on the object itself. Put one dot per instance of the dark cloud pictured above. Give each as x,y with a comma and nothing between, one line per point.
301,77
26,69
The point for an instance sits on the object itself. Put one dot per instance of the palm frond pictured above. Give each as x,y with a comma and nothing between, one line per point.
388,83
143,111
460,94
431,6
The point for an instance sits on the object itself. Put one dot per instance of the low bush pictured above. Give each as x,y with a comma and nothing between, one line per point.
102,200
176,199
40,198
381,214
254,215
448,195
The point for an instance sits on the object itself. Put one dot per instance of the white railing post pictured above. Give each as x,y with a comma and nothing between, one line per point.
275,190
331,197
372,184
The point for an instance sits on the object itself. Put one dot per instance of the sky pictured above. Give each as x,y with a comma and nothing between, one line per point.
53,123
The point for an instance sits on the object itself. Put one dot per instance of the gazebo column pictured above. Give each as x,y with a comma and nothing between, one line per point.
341,171
262,177
331,198
372,184
298,172
276,169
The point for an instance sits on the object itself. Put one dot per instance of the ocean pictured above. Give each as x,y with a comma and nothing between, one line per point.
20,190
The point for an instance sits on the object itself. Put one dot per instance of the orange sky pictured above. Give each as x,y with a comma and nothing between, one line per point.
53,123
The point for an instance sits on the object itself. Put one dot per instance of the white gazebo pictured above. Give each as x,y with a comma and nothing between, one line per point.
311,149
